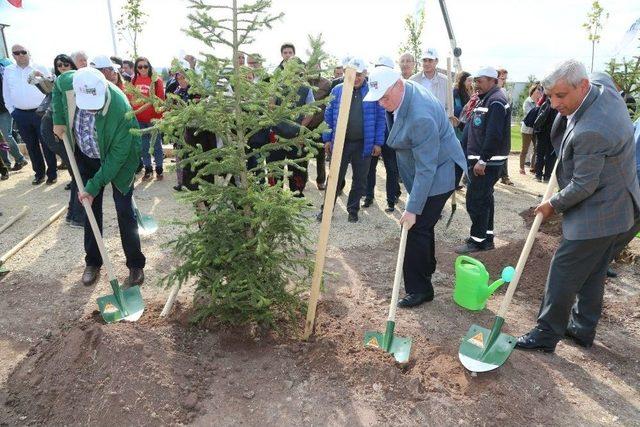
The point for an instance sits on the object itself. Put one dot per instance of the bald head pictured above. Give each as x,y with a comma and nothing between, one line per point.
407,65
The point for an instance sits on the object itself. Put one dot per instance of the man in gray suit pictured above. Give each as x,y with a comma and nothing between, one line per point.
599,199
427,151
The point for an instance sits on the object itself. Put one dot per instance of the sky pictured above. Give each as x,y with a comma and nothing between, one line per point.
524,36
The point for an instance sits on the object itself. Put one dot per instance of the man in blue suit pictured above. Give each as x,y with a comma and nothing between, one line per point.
428,155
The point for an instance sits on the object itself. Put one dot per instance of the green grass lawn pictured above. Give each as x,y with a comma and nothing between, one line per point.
516,139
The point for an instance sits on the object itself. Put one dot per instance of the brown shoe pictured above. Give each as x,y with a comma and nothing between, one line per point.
90,275
507,181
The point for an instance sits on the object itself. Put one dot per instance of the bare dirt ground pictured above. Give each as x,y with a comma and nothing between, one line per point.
60,364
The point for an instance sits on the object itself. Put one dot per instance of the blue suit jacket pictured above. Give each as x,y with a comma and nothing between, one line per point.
426,147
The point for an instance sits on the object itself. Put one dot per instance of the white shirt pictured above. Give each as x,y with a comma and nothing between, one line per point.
436,85
17,92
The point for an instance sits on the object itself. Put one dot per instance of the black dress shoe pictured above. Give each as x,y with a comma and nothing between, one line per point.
353,217
582,341
390,208
612,274
414,300
68,186
51,181
37,181
136,277
90,275
4,176
537,339
367,203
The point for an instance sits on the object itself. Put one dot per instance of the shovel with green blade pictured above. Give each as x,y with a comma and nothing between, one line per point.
123,304
481,349
146,223
399,347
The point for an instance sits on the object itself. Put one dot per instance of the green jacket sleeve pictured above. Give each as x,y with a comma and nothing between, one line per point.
57,104
115,158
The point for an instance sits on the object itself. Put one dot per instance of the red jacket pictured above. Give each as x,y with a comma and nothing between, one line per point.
143,84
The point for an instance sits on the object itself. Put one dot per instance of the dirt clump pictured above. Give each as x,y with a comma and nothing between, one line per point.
551,226
126,374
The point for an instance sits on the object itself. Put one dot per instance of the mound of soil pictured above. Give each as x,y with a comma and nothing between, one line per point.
534,275
120,374
552,226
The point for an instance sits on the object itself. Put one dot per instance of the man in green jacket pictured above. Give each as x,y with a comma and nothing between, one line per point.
93,113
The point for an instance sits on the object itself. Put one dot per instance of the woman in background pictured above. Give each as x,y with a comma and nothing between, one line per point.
147,84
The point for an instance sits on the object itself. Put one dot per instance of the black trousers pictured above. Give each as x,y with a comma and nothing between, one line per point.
575,285
420,256
391,168
321,167
127,222
43,160
545,158
480,202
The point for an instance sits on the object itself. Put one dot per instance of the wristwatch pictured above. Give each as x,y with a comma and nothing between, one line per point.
482,162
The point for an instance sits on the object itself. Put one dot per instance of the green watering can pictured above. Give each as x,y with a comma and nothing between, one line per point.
472,283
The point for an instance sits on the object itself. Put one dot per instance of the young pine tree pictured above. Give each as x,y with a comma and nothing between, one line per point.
247,246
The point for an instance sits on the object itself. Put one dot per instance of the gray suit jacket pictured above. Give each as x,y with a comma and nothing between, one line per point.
426,146
596,166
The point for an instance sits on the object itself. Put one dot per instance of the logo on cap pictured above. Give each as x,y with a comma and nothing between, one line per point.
89,90
374,84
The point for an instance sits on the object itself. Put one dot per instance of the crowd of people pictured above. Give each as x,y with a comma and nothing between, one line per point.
395,114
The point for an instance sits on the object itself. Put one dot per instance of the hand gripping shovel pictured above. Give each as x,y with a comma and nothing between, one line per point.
483,350
122,305
146,223
400,347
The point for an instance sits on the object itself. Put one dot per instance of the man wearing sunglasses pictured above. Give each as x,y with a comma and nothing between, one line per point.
21,100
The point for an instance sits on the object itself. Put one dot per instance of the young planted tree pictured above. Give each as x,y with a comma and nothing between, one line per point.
594,25
247,246
414,26
131,23
626,74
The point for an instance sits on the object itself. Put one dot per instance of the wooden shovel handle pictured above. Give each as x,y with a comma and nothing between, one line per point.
9,223
526,250
398,275
330,196
87,207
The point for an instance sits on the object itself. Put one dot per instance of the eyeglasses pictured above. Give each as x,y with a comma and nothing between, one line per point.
19,52
141,67
62,64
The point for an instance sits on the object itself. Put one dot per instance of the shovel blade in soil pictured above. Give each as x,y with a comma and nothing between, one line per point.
146,224
399,347
130,309
480,353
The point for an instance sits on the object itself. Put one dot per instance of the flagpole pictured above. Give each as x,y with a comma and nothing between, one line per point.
113,31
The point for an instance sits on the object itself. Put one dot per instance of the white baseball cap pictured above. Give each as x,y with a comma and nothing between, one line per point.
358,63
90,87
103,61
430,53
386,61
486,72
380,80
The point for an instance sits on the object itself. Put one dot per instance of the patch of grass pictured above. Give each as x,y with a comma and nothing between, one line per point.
516,139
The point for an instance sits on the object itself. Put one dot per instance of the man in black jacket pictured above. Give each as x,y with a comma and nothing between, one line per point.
487,139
